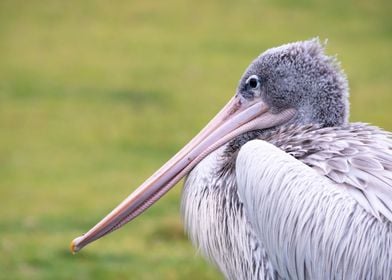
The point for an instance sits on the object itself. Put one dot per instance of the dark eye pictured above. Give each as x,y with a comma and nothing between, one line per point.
253,82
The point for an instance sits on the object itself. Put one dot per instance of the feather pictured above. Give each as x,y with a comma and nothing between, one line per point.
366,163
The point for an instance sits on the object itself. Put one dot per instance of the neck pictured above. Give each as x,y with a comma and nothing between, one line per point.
214,219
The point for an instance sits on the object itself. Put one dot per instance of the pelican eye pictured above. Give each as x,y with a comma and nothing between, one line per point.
253,82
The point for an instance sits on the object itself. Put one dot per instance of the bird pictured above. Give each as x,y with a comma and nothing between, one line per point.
279,184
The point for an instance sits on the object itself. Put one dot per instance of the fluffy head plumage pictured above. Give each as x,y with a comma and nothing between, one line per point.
301,76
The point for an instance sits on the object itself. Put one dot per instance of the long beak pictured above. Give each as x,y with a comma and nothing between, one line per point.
237,117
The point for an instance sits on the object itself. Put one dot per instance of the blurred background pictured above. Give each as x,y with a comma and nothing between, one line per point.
96,95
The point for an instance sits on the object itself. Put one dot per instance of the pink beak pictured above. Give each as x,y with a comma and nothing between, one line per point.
237,117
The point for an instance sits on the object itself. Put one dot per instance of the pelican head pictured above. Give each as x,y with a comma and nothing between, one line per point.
293,83
299,76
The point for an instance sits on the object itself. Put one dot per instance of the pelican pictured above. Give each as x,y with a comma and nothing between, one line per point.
279,184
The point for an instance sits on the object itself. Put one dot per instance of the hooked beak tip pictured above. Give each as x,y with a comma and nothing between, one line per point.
74,247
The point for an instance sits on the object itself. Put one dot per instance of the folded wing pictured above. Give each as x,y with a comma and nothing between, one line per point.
310,226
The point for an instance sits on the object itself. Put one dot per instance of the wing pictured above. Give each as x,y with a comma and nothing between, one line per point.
358,157
310,227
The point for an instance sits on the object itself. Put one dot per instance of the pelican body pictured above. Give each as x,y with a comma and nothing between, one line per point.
313,229
279,184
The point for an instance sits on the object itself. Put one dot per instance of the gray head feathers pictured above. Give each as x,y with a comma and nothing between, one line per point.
301,76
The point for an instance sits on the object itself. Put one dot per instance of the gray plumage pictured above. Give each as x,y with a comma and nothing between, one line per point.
319,207
299,75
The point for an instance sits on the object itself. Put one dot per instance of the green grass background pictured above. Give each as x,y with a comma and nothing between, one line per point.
95,95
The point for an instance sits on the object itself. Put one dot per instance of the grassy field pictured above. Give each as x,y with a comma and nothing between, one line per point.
95,95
